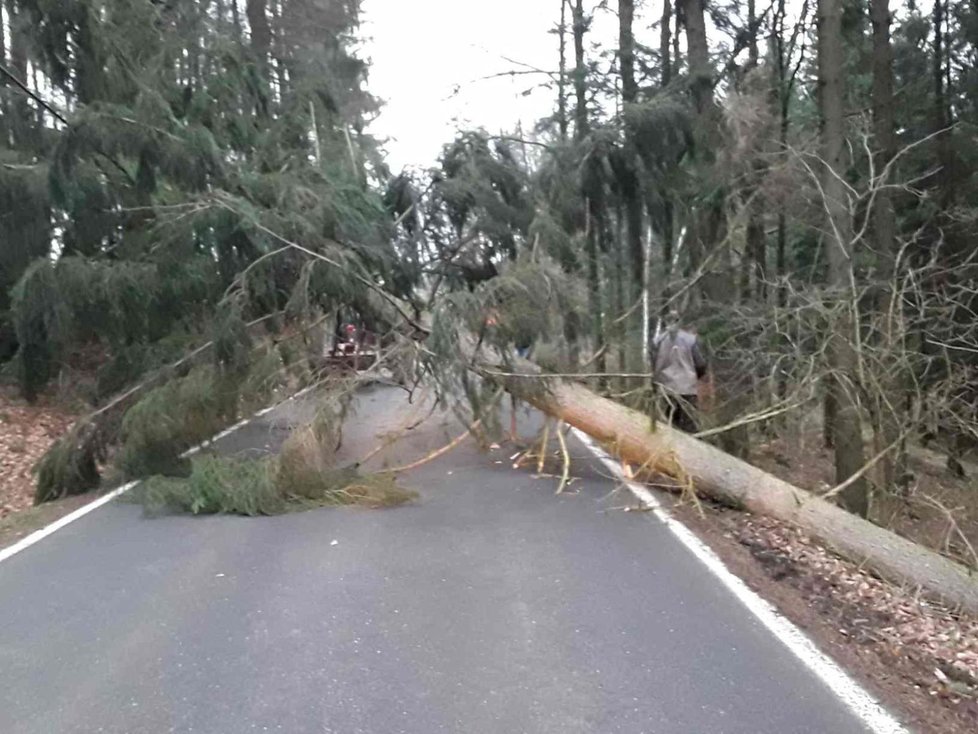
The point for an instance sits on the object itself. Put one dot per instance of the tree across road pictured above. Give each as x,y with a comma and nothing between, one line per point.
487,606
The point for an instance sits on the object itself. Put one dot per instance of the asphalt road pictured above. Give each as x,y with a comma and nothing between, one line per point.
489,606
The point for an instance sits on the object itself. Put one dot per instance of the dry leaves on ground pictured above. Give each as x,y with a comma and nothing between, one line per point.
871,611
25,434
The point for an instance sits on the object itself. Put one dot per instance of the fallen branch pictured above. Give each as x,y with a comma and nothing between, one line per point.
438,452
565,476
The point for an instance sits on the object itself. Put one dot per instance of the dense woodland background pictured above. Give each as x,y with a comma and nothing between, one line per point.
193,177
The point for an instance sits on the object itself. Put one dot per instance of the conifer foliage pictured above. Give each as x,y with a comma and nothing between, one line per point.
175,175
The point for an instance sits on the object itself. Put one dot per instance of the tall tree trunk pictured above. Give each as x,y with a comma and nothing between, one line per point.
236,18
665,59
562,74
594,226
620,331
580,72
21,122
700,71
680,15
781,89
708,221
847,429
942,112
756,240
261,31
88,64
889,402
668,217
593,230
261,45
632,184
280,51
4,84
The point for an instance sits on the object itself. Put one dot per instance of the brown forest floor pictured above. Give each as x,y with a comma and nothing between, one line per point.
937,509
920,659
26,432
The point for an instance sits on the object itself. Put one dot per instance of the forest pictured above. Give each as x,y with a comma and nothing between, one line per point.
190,198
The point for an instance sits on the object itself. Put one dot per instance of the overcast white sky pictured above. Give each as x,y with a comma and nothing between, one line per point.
428,55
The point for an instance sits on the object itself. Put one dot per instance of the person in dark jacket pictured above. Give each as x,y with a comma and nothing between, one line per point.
678,363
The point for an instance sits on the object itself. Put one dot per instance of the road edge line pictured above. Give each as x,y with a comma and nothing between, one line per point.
39,535
856,698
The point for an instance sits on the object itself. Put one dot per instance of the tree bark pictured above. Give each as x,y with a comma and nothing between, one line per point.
261,31
261,46
707,223
668,217
562,74
847,429
619,330
88,63
4,83
580,72
680,24
593,229
632,185
884,236
594,224
21,122
665,32
942,111
700,71
236,18
756,240
628,434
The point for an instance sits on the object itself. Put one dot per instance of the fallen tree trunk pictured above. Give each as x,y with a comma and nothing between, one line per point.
628,434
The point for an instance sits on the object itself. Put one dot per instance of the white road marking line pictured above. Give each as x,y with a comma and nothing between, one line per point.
853,695
66,520
47,530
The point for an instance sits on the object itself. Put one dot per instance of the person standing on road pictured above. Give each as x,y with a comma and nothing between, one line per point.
679,364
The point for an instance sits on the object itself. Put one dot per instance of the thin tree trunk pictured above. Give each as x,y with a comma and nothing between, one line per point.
580,72
847,429
562,75
707,224
280,50
942,113
20,118
88,65
756,239
4,82
884,235
677,59
620,331
632,184
261,44
700,71
668,216
593,223
665,30
261,31
782,91
592,230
